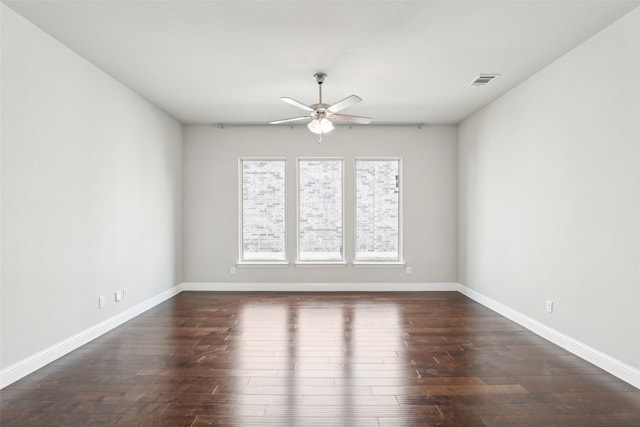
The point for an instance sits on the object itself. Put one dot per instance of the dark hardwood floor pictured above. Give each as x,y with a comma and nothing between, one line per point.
320,359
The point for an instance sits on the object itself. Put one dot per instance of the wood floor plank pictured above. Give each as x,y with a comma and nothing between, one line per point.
449,389
320,359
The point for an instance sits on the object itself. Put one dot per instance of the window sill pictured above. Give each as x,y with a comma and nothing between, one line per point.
376,264
320,264
262,264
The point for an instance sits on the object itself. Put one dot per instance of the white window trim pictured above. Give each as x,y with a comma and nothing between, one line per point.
319,263
241,262
366,262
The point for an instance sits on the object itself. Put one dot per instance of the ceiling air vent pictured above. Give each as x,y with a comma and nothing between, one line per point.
483,79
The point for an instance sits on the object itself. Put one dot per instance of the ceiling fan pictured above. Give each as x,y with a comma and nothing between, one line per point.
323,115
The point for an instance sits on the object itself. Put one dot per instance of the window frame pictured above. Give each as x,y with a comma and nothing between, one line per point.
260,262
380,262
335,263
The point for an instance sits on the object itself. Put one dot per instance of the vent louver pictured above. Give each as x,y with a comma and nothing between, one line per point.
484,79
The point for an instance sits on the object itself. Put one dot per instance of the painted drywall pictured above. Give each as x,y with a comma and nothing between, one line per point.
429,157
550,194
91,193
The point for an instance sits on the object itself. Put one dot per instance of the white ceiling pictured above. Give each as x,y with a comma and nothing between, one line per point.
231,61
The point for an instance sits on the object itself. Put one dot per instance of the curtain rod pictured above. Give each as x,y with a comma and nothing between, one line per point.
291,125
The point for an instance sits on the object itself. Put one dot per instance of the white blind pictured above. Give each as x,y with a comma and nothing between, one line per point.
263,210
377,210
320,234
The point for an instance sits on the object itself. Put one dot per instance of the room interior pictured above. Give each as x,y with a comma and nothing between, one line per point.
122,125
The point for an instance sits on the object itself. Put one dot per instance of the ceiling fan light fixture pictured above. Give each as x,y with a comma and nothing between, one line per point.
320,126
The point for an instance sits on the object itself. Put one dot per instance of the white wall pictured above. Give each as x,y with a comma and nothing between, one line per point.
548,201
550,194
91,193
211,199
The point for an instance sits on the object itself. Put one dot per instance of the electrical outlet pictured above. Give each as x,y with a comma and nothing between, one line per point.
232,270
549,306
101,302
118,296
409,271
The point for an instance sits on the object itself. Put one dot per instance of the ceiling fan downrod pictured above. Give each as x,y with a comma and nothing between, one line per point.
320,79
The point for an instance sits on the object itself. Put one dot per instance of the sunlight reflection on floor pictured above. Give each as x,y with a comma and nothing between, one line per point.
305,362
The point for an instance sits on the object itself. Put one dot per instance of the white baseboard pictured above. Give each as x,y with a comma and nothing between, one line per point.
319,287
24,367
610,364
615,367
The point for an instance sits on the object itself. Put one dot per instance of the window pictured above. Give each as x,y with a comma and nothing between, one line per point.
320,223
378,225
263,202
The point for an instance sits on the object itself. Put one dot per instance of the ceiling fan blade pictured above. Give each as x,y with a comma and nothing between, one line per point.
347,102
293,119
296,103
343,118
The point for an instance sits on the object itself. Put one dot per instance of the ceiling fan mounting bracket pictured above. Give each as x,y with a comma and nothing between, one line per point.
320,77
